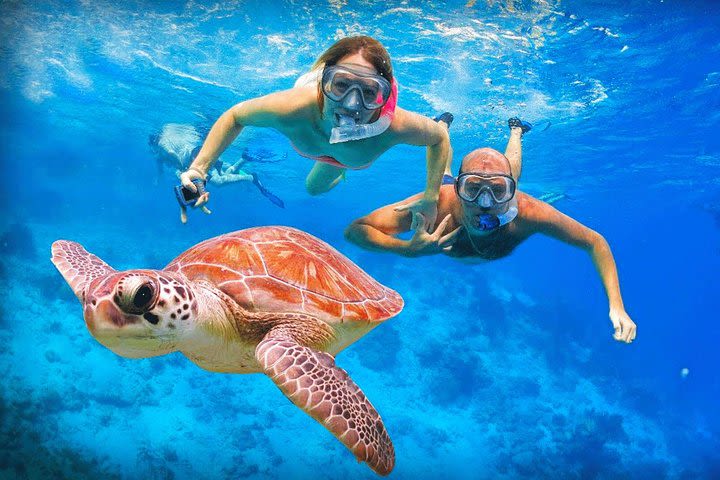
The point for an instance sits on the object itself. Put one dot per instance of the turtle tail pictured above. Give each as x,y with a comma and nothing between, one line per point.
77,266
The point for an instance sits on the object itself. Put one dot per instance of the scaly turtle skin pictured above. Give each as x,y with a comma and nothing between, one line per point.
270,299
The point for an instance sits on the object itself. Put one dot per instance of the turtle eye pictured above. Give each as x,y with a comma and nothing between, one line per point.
136,296
143,297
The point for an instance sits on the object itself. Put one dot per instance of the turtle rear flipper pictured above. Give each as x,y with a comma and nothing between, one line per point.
77,266
311,380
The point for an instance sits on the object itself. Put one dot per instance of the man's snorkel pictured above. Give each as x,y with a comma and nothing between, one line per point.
490,221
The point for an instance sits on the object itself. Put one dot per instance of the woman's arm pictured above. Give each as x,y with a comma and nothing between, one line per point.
414,129
266,111
269,111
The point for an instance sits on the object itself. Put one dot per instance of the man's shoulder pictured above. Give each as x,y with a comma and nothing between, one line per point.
447,203
533,212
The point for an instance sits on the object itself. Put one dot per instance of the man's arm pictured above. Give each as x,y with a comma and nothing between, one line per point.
558,225
377,231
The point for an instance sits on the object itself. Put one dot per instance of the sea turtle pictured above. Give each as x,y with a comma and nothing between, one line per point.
268,299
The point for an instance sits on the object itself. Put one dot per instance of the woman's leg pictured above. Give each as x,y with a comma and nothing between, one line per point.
235,167
323,177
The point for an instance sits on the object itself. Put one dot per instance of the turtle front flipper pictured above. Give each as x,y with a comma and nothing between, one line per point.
77,266
311,380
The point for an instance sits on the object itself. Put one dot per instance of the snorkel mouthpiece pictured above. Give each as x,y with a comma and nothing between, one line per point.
347,127
349,130
488,222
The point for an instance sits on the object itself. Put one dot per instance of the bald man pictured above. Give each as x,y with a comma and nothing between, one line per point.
482,216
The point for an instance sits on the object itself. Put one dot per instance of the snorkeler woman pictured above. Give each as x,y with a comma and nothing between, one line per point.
343,114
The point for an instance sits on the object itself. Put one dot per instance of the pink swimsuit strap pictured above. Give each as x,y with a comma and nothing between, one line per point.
327,159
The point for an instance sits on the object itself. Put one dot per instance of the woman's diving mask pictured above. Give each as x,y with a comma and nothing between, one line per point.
358,91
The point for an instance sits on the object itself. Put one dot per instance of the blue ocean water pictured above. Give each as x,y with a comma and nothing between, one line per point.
500,370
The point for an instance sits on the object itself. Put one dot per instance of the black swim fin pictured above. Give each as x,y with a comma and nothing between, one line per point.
268,194
446,117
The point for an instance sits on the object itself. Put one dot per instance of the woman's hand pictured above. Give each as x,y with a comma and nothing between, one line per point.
426,208
625,328
186,178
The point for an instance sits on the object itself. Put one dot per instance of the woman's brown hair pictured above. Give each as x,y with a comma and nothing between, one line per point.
370,49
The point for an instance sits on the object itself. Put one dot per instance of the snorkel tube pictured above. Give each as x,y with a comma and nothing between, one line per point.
349,130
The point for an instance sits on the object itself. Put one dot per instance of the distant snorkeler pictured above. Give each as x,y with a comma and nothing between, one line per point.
178,144
486,217
343,114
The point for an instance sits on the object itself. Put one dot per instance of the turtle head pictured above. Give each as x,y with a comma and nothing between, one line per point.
135,313
139,313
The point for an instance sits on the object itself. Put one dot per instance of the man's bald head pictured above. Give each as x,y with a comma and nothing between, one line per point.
485,160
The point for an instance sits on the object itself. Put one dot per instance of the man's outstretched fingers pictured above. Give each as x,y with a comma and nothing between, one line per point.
441,228
183,214
449,239
206,210
418,222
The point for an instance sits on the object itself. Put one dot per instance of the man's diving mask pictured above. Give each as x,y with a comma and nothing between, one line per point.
485,190
338,81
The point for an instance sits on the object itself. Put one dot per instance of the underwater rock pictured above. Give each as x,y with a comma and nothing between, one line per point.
24,429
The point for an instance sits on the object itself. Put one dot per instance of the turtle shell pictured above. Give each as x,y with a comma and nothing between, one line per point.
282,269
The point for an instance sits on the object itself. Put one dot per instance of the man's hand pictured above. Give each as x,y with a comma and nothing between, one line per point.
425,243
625,329
186,178
427,208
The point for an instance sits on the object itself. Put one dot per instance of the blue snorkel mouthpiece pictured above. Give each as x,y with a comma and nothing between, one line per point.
488,222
